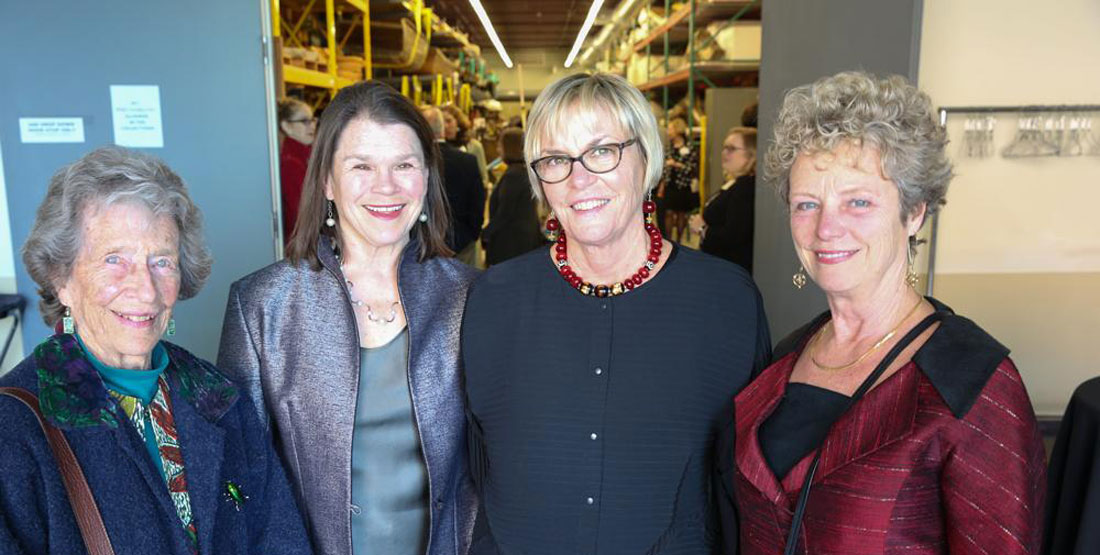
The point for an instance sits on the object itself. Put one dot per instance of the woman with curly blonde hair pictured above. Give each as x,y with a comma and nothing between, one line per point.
888,424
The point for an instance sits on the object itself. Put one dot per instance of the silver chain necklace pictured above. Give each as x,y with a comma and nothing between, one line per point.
370,312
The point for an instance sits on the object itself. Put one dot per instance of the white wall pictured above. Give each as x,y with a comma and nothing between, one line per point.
7,276
1019,245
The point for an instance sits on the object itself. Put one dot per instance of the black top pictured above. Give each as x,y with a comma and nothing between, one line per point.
1073,494
593,420
729,219
513,218
465,196
798,425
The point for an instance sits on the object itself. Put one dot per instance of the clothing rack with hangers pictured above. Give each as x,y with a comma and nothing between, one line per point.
944,110
971,110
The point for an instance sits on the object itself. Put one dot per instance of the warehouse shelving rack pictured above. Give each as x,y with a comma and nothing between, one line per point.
679,30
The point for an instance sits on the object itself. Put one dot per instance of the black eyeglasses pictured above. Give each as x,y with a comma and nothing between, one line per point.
310,120
728,148
598,159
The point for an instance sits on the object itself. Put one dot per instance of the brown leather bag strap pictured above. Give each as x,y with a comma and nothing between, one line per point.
80,496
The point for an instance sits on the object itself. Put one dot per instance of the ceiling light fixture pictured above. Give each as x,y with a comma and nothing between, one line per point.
595,9
488,25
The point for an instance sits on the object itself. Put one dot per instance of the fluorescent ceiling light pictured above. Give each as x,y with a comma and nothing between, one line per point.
595,9
484,17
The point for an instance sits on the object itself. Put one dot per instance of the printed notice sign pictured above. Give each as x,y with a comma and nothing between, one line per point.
51,130
135,110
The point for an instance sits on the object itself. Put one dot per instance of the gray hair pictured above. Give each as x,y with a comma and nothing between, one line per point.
888,114
104,177
435,119
590,96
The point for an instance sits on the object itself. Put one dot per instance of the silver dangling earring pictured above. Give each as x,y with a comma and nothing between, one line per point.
331,221
911,277
423,217
171,329
799,278
67,325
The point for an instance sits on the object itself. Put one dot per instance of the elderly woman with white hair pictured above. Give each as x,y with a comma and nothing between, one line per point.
165,455
888,424
600,371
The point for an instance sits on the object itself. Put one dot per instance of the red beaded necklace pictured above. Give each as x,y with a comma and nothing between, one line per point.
656,245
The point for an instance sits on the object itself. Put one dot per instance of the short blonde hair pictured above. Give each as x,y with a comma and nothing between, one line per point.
590,96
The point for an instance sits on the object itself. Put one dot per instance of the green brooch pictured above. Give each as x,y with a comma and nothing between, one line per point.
233,493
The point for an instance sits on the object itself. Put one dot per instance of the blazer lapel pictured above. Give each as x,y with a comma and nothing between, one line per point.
202,446
884,415
200,396
751,407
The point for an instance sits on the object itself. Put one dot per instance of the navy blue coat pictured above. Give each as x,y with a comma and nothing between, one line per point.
220,439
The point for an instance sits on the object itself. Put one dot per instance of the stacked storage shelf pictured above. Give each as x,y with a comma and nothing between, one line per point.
329,44
692,45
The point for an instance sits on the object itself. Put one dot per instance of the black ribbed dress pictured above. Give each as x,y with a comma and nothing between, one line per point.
593,420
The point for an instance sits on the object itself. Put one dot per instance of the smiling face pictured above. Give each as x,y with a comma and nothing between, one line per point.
596,209
124,282
845,224
378,182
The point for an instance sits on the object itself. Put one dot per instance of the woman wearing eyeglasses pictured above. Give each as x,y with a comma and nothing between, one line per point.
726,223
597,370
297,127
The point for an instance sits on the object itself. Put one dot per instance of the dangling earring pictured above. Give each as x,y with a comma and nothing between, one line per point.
553,227
67,325
171,329
649,208
423,217
911,277
799,278
331,222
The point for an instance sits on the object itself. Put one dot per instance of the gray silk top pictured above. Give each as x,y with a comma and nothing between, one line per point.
389,482
290,340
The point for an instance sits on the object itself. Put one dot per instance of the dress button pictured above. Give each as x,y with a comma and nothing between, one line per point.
594,436
603,306
591,501
599,371
439,505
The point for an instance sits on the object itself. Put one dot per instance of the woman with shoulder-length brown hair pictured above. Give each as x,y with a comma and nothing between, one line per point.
351,343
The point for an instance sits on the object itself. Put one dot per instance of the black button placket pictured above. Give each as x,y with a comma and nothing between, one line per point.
597,374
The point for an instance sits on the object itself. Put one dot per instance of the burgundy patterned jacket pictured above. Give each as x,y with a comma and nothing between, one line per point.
942,457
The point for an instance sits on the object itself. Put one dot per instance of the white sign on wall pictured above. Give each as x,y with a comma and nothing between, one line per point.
135,110
51,130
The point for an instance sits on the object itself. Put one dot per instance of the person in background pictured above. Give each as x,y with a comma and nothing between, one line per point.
749,115
297,127
465,191
513,227
350,344
681,170
600,370
942,454
726,224
458,132
174,455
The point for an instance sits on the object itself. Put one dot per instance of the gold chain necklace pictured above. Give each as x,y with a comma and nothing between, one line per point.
879,343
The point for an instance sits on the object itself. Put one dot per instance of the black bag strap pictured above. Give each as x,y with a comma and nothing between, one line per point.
83,503
804,494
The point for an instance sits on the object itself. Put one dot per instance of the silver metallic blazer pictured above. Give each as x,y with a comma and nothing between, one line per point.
290,339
